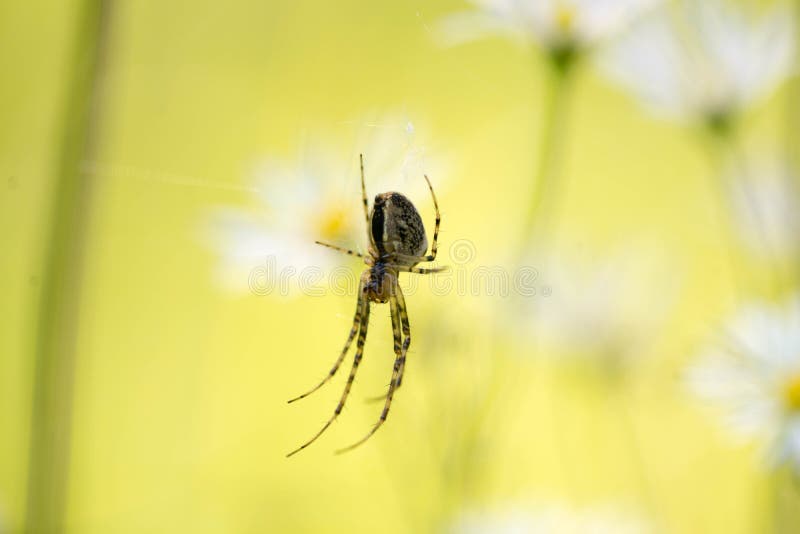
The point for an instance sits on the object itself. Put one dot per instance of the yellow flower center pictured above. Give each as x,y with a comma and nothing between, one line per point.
565,18
332,223
791,394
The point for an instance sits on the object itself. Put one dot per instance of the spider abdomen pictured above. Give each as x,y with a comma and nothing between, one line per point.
396,226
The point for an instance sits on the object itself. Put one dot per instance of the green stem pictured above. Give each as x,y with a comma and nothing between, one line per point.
792,133
541,207
792,124
717,136
56,329
784,499
546,180
620,392
727,148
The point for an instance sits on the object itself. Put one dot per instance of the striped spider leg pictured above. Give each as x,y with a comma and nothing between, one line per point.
397,243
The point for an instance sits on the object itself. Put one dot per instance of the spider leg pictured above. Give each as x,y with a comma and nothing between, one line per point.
396,301
350,337
403,313
340,249
407,259
419,270
364,193
362,335
395,316
432,255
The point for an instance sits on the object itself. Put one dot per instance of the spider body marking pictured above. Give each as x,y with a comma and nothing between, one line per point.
397,243
396,228
396,233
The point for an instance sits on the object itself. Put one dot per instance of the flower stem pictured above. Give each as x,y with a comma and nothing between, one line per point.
539,215
784,500
56,329
792,124
792,132
620,394
546,180
727,149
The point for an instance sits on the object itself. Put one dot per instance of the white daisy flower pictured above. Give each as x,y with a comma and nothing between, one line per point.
316,197
297,204
767,209
752,376
552,519
606,308
559,26
705,61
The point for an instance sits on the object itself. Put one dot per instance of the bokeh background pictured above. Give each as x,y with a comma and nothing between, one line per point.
163,399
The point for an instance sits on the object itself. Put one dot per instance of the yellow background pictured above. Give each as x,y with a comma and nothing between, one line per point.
180,419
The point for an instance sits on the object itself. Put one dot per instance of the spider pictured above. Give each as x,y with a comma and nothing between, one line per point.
397,243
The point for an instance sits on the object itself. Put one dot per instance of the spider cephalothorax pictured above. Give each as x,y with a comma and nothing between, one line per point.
378,282
397,242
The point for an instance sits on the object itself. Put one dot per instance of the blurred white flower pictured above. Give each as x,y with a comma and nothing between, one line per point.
606,308
552,519
752,375
706,60
767,209
298,204
315,197
556,25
